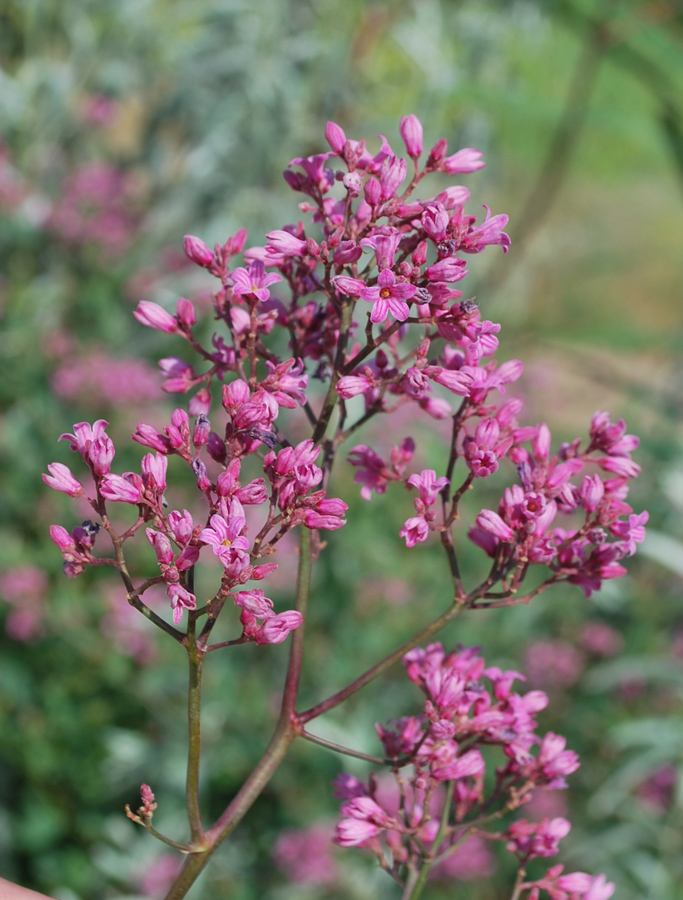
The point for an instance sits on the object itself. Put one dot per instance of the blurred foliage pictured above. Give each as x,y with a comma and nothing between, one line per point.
125,125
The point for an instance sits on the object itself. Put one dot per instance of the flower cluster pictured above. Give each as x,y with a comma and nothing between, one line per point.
286,495
321,329
439,761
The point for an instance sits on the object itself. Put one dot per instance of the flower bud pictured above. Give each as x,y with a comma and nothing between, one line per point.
438,151
202,428
335,137
154,316
353,183
411,132
197,251
463,162
372,191
216,447
186,313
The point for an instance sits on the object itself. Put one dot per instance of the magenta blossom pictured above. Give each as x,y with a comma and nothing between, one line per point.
225,538
389,296
61,479
180,599
254,282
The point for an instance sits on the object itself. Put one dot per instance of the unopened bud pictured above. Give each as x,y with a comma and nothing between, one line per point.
373,191
196,250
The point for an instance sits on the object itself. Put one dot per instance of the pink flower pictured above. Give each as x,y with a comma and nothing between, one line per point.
276,629
463,162
435,221
154,316
389,296
254,281
180,599
391,176
531,839
352,287
197,251
411,132
428,485
351,385
282,243
154,472
150,437
122,489
256,603
225,538
385,244
492,523
315,519
84,436
415,530
489,232
334,134
354,832
61,479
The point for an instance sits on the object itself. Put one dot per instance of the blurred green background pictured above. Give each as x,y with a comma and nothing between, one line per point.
126,125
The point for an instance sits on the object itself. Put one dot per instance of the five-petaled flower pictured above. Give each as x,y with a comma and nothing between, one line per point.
388,296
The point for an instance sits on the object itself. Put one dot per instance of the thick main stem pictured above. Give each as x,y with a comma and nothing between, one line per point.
196,660
236,810
282,739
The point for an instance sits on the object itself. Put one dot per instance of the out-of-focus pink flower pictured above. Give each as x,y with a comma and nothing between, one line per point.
24,590
305,856
601,639
99,205
528,840
657,791
103,379
159,875
470,861
553,664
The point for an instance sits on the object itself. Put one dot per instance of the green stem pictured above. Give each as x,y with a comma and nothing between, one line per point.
237,809
184,848
346,751
196,661
409,886
519,881
451,613
303,587
331,398
284,736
